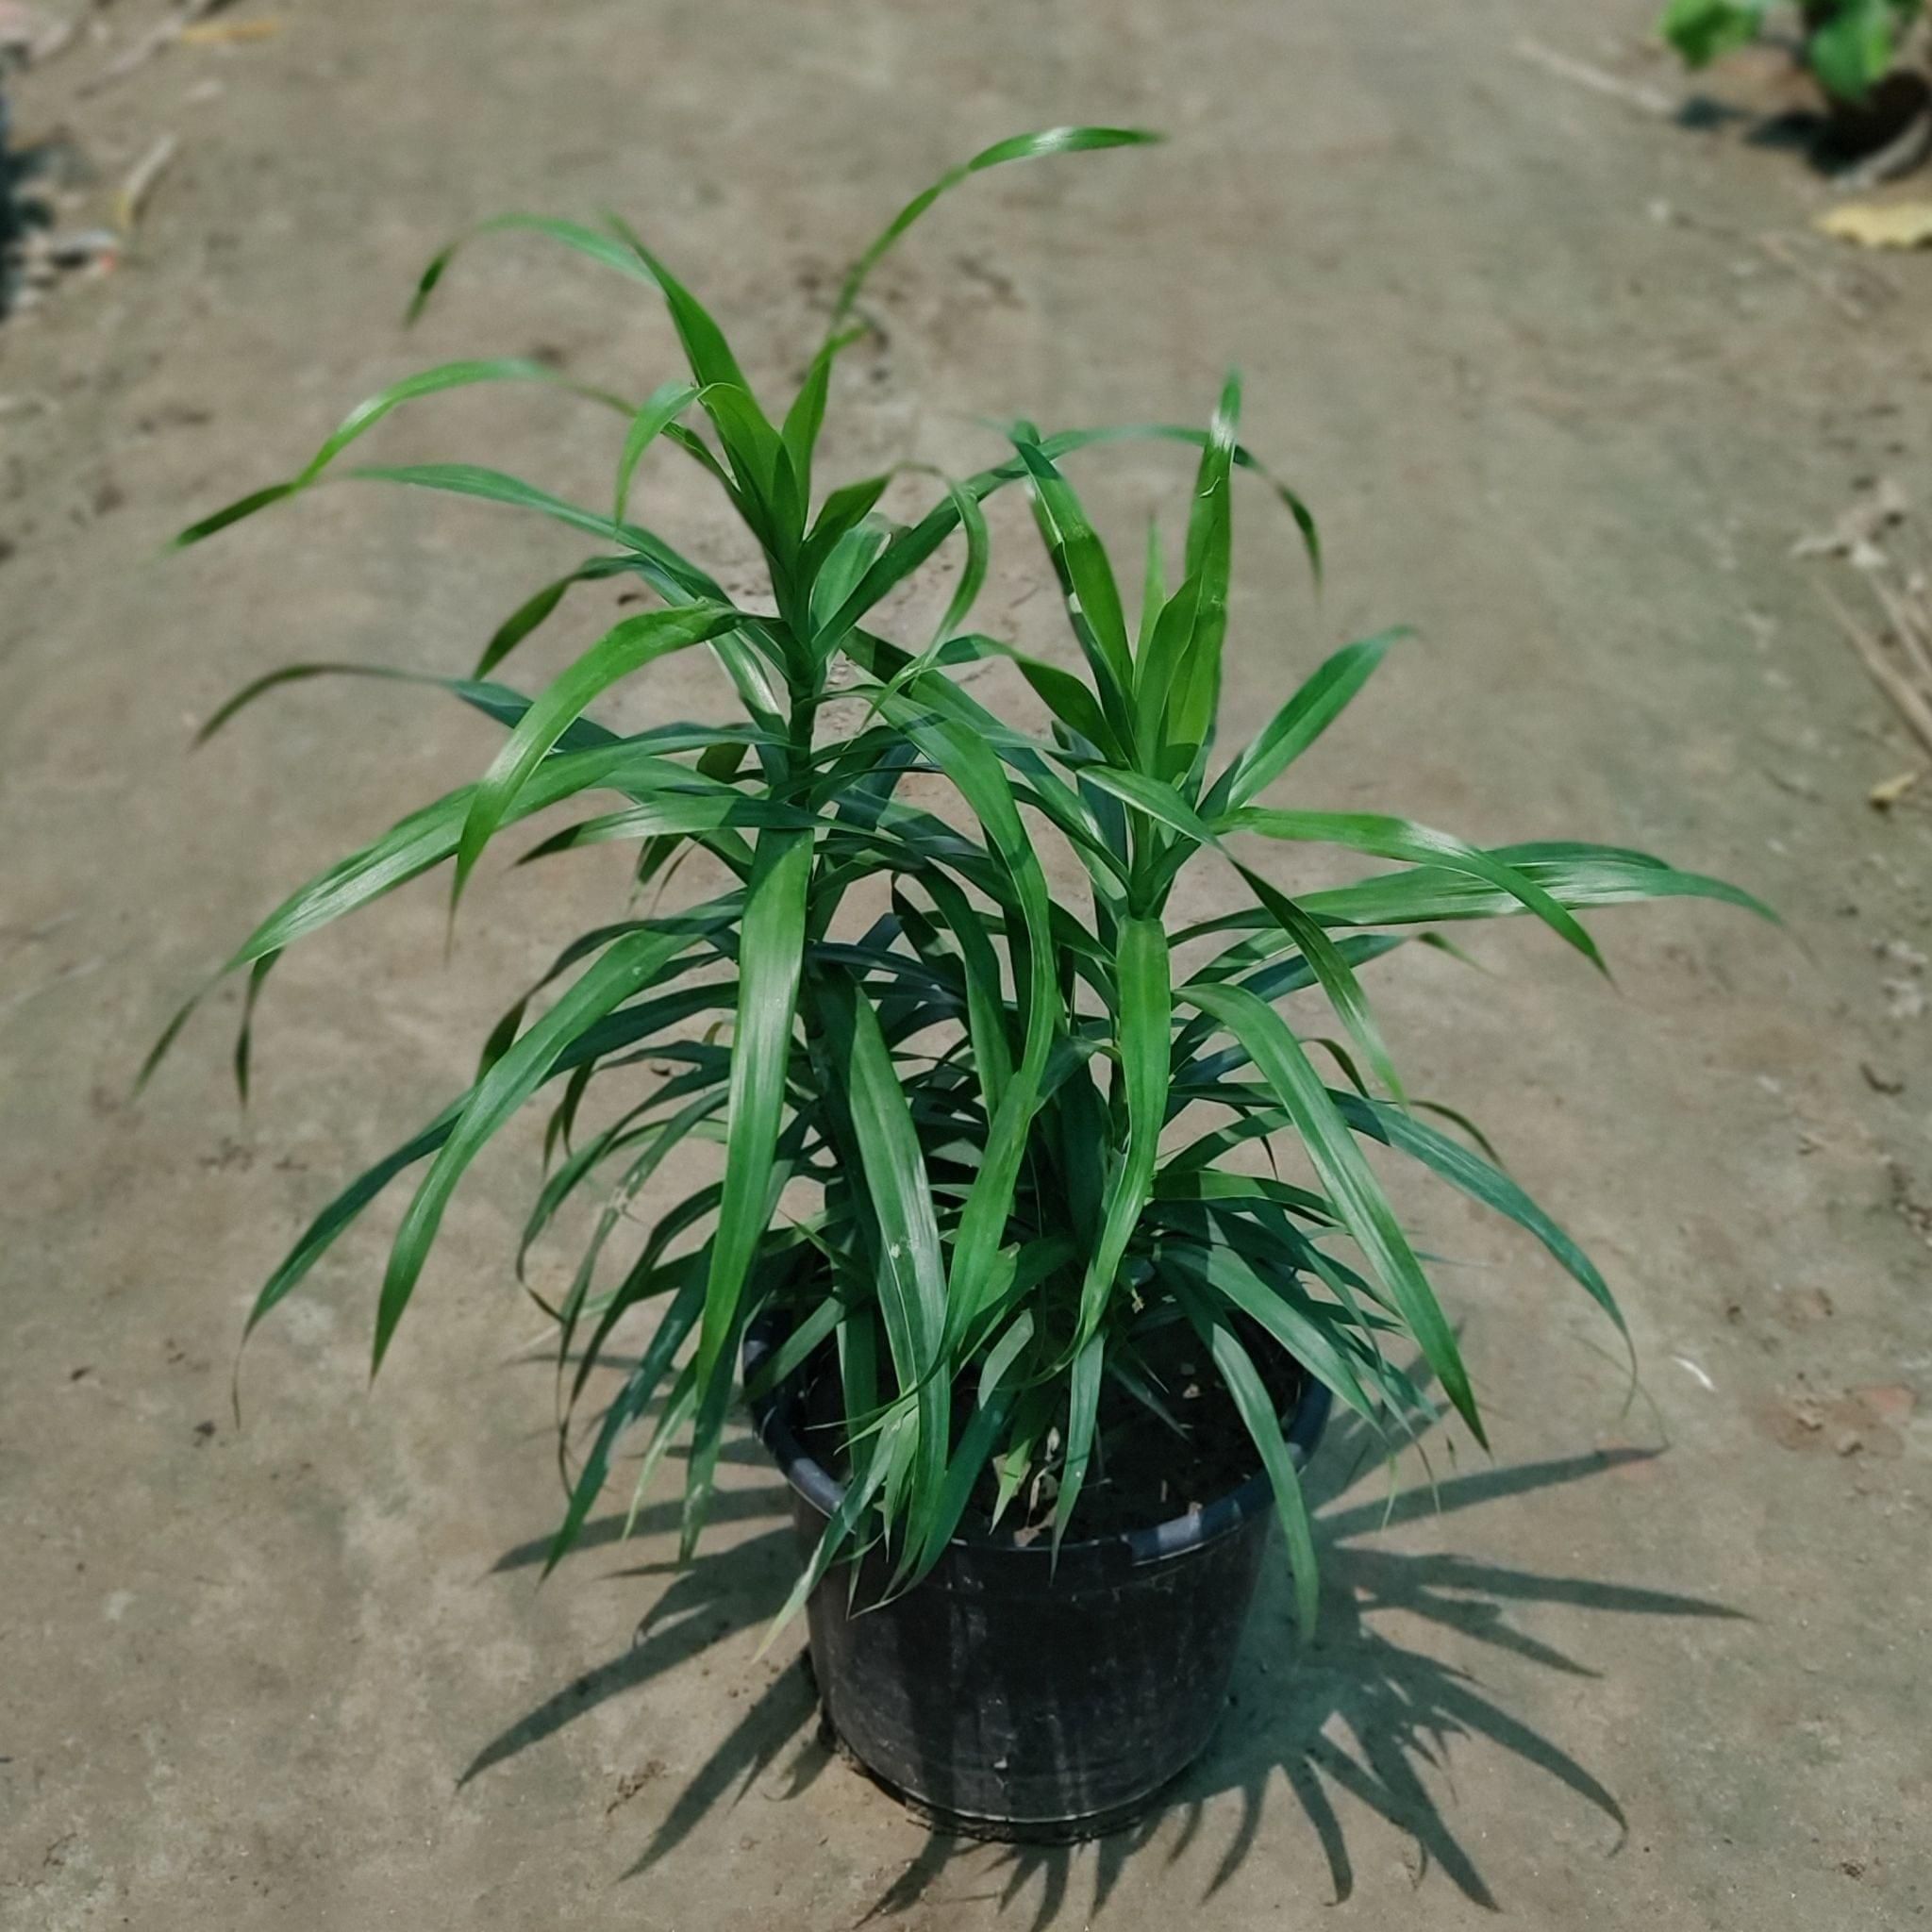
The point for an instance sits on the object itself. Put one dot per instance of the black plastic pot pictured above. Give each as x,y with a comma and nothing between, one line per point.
1007,1697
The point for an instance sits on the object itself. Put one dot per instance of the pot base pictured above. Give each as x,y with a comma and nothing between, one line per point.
1003,1831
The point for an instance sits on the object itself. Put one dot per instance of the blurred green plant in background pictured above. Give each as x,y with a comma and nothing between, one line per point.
1849,46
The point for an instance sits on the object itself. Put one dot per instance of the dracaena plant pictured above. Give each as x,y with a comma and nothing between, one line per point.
953,1152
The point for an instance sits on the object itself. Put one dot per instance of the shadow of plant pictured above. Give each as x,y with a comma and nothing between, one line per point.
1356,1717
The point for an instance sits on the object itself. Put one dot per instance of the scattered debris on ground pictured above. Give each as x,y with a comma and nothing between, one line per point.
1898,657
49,233
1896,651
170,32
1859,534
1854,289
1868,1421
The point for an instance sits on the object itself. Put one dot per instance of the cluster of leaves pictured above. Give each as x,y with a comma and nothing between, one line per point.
992,1103
1850,45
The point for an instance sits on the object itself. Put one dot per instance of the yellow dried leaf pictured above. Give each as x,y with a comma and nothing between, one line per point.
1880,224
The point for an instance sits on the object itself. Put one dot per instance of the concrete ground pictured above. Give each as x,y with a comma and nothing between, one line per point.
1557,401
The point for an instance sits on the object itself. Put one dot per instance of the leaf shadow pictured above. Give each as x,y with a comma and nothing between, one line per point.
1359,1722
1358,1719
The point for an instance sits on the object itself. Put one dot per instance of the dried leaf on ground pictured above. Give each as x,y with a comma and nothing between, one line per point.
1880,224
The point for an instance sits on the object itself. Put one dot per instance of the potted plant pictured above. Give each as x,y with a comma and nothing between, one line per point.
1037,1342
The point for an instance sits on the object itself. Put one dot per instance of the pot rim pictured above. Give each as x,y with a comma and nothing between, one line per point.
773,1413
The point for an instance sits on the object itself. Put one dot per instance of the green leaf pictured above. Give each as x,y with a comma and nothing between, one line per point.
1021,147
772,500
838,551
1703,29
1264,1425
976,1442
1574,875
807,414
1481,1182
1063,694
498,701
860,1489
1392,837
536,609
368,412
1161,663
680,1405
621,971
599,247
674,814
680,581
1853,51
992,1054
912,1276
1244,459
1310,1336
1302,720
639,1385
1330,967
1093,598
1159,801
626,647
1345,1178
972,765
705,347
1197,690
426,838
1083,1412
1152,591
660,408
973,571
321,1233
1700,30
1147,1016
771,952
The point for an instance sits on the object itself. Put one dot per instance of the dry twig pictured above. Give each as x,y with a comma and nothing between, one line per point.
1912,703
1632,93
141,182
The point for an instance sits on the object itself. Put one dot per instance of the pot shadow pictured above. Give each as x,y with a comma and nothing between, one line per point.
1832,139
1358,1719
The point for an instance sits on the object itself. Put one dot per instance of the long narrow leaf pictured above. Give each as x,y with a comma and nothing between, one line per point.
1394,837
771,947
1302,720
626,647
1021,147
618,973
1345,1175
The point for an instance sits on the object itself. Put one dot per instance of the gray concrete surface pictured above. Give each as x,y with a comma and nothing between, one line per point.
1659,1668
